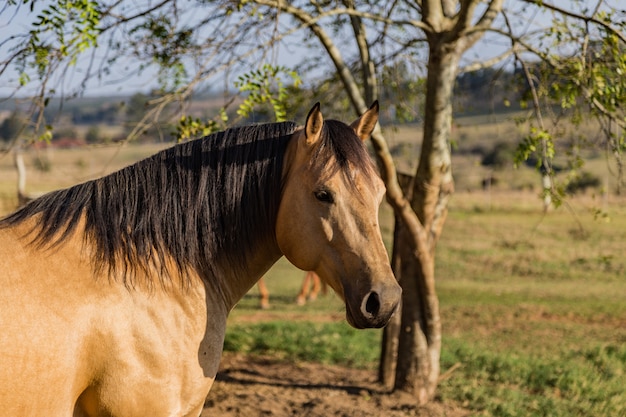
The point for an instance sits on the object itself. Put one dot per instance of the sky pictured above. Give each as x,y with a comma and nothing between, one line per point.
118,84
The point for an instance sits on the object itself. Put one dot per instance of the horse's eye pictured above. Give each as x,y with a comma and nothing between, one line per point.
324,196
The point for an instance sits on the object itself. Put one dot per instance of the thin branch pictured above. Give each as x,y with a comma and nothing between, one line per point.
592,18
282,5
143,13
477,66
449,372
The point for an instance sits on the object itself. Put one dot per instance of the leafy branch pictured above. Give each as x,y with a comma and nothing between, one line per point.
73,25
266,85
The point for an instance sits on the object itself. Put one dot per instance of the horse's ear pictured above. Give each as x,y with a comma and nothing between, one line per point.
313,125
364,125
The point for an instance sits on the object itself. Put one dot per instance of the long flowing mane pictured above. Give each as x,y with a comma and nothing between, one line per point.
182,206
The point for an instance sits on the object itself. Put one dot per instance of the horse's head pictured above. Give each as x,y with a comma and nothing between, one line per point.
328,216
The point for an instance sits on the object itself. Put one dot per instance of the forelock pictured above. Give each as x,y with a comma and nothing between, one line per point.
341,148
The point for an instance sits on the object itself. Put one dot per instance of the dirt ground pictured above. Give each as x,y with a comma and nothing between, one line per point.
250,386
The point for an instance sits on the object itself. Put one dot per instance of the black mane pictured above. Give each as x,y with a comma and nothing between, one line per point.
182,206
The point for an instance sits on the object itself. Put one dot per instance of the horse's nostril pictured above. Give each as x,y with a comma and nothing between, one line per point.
372,305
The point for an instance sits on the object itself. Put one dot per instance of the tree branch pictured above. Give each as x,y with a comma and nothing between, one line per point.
143,13
476,66
464,17
449,8
367,65
280,5
588,19
485,22
433,15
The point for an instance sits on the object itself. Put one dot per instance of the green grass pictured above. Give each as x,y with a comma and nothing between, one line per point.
568,381
331,343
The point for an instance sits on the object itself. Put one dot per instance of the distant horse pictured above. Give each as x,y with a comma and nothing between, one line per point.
311,286
114,293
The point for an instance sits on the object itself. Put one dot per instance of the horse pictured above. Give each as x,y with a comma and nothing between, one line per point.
311,286
114,293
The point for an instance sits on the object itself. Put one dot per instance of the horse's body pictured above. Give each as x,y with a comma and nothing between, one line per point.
114,293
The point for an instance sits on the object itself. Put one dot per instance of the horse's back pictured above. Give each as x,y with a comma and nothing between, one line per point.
72,343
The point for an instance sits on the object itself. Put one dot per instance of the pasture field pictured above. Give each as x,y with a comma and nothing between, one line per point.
533,305
533,311
50,168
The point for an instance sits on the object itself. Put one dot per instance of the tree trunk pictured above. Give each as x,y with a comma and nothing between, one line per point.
419,346
391,332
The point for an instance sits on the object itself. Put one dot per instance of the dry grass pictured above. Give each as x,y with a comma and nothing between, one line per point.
50,169
472,133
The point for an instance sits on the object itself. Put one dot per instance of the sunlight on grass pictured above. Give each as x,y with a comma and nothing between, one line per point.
331,343
570,381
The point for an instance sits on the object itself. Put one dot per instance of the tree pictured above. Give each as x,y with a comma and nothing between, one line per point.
93,134
448,32
586,82
11,127
356,39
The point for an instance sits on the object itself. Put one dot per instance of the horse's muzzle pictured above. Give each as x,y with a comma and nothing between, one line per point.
376,308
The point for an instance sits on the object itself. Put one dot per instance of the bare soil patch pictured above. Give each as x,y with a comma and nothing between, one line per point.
254,386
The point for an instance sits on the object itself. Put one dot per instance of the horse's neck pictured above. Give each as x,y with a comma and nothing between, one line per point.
233,283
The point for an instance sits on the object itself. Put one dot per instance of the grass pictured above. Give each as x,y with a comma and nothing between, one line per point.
311,342
534,313
580,382
65,167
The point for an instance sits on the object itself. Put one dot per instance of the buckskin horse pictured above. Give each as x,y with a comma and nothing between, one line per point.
114,293
311,286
